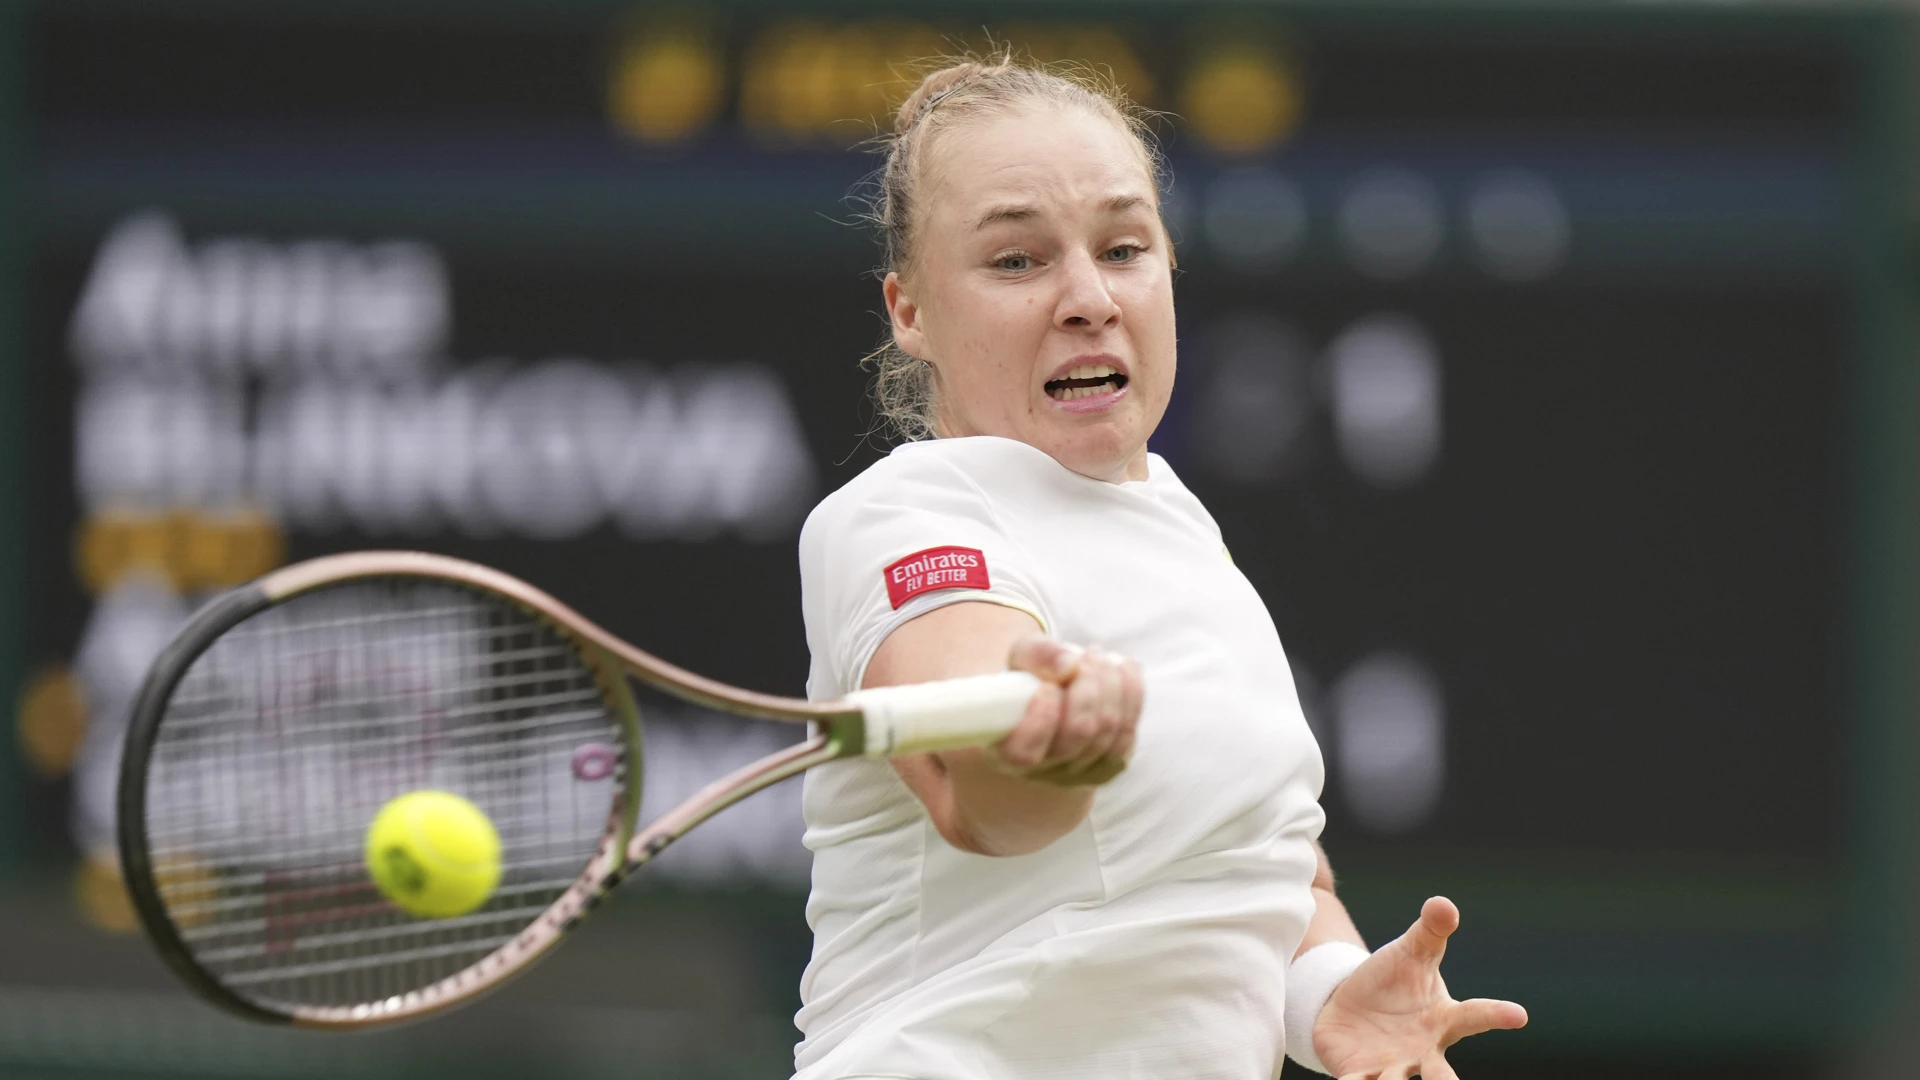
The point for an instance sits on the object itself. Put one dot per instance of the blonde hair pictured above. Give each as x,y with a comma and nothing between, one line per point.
963,90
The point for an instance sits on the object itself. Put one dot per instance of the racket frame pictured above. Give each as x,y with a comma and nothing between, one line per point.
838,731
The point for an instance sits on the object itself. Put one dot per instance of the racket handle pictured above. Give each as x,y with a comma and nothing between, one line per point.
946,715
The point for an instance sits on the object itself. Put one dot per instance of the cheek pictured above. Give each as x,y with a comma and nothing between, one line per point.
1003,326
986,340
1154,323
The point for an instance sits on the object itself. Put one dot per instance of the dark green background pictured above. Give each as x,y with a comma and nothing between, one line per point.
1666,569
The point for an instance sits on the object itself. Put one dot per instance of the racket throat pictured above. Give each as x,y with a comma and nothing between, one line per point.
724,792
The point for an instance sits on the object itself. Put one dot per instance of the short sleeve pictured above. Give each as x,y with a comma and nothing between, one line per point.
914,533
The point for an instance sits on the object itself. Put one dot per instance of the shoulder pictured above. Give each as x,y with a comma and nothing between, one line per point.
962,477
1174,495
977,460
915,530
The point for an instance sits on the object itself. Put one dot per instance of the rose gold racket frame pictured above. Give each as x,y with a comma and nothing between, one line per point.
838,732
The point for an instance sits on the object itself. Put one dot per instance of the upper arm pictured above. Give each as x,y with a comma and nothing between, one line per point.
968,638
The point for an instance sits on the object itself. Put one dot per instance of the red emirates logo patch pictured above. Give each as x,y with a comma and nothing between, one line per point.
935,569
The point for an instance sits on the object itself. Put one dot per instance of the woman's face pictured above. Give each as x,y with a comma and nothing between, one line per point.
1041,289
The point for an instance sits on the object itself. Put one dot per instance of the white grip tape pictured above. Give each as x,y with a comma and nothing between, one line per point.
945,715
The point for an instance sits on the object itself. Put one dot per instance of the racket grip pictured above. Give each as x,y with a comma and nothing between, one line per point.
946,715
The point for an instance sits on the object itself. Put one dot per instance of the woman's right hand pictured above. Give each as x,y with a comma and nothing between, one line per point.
1079,728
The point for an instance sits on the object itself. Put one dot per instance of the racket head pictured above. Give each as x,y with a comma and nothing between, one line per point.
289,711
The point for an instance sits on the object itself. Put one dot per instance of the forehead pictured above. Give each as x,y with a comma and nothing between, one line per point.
1059,158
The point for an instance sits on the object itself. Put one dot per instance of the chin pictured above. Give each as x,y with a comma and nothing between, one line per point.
1095,450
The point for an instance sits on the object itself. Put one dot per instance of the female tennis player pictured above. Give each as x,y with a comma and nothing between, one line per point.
1130,884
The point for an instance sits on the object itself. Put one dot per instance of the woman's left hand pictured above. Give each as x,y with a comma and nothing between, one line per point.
1393,1019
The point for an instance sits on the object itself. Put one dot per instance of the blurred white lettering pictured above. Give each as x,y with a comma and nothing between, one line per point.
241,304
551,452
306,378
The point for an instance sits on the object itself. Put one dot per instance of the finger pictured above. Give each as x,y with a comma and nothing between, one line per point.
1397,1072
1093,710
1475,1015
1104,671
1081,721
1027,743
1436,1068
1133,692
1428,935
1048,657
1132,700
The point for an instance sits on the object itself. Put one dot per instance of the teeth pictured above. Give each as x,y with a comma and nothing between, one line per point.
1105,379
1091,371
1069,393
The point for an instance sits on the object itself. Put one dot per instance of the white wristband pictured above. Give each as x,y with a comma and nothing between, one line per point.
1311,980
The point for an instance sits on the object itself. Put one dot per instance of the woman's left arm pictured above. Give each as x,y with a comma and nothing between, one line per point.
1331,922
1392,1016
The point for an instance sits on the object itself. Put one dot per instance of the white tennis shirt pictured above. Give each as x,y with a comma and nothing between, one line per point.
1151,942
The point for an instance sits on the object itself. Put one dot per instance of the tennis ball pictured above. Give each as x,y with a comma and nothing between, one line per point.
434,854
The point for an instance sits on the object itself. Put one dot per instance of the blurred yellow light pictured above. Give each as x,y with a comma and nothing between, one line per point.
1241,100
215,551
109,545
1108,52
807,82
667,85
189,550
904,48
52,721
1095,46
768,78
102,896
861,82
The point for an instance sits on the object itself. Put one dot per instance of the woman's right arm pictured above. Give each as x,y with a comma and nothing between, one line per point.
1037,784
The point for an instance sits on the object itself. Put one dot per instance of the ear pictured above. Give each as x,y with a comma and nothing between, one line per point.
905,316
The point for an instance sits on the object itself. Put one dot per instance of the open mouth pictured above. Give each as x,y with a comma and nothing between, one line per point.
1086,381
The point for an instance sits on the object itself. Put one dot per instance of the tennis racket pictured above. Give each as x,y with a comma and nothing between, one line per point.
289,711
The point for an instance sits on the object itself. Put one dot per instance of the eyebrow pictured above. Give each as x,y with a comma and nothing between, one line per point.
1012,212
1026,211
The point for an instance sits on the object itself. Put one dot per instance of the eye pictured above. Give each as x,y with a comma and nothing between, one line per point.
1122,253
1014,263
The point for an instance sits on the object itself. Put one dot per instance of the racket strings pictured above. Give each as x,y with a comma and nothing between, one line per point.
290,733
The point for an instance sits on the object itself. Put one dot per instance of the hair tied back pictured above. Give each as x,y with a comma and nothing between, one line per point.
934,101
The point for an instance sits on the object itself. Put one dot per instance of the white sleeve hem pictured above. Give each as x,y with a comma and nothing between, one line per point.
1311,979
919,606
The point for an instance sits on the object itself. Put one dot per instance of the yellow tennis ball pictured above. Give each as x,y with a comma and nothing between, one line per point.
434,854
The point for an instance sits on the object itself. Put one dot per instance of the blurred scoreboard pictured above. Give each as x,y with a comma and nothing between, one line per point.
1538,369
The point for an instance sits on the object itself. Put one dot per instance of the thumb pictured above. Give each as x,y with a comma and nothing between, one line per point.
1427,937
1047,657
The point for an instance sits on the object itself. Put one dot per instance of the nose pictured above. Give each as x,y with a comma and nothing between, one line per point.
1085,301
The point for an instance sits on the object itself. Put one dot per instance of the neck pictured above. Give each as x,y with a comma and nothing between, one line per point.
1133,467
